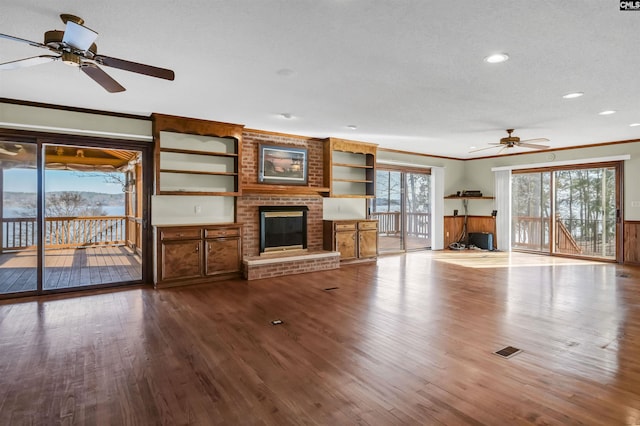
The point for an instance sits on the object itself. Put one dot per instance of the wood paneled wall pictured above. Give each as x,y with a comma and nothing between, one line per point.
453,227
631,238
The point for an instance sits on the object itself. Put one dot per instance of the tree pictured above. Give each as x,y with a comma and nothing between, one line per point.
64,204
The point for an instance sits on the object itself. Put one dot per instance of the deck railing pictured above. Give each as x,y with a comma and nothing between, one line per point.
574,236
62,232
418,224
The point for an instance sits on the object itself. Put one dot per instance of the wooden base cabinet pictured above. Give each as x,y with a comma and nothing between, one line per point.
223,254
354,239
195,254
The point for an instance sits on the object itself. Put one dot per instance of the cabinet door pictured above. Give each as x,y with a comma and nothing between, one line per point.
346,244
181,259
368,244
222,255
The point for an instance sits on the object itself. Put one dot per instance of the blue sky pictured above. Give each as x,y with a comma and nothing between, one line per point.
24,180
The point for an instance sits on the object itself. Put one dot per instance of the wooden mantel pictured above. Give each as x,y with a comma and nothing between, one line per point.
284,190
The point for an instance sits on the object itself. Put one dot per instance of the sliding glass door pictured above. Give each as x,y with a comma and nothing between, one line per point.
20,242
85,217
566,211
403,210
530,211
586,212
73,215
417,213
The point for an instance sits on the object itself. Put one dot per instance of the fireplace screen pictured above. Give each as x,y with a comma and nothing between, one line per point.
283,228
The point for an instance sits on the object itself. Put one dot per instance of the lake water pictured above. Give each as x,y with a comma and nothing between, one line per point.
110,210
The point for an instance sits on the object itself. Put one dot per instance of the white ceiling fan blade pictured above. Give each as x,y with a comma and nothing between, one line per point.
23,40
530,145
27,62
537,140
78,36
485,148
503,148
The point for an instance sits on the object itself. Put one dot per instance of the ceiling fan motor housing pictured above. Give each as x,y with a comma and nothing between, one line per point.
510,140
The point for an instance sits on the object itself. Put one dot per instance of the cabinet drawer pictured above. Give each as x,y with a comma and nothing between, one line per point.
345,226
179,234
367,225
221,233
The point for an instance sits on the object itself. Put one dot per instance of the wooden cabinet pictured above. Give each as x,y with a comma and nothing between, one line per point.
194,254
197,157
349,168
222,254
181,259
354,239
367,239
344,240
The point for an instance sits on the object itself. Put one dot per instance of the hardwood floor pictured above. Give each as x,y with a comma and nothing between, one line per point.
66,268
407,341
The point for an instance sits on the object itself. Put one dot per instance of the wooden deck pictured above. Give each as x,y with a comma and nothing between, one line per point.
68,268
390,243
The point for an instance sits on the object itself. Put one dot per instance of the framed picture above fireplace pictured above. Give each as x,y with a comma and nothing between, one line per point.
282,165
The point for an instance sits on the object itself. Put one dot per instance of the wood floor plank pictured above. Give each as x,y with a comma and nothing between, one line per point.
408,340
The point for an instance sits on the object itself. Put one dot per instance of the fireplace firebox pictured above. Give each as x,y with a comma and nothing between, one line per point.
283,228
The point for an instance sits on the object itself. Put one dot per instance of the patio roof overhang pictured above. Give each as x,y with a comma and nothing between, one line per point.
61,157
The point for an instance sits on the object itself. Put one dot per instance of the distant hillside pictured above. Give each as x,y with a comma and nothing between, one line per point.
19,199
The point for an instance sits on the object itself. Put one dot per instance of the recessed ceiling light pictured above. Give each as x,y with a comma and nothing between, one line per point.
472,147
573,95
286,115
497,58
634,125
607,112
352,126
285,72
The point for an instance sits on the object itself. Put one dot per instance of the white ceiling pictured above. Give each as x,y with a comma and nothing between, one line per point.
408,73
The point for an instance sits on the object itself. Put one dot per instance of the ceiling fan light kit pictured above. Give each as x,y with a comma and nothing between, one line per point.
75,47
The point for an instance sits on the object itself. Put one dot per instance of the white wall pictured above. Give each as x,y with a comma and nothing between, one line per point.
22,117
191,210
344,208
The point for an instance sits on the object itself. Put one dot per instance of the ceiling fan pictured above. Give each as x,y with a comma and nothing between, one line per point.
75,46
513,141
18,149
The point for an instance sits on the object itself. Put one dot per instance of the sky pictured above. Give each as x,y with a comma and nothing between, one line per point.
24,180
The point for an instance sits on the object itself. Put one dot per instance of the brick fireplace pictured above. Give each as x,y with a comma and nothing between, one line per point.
247,206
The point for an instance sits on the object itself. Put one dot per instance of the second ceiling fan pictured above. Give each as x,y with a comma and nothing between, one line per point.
513,141
75,46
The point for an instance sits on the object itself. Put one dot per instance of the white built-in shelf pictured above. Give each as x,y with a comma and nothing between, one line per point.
191,164
350,168
455,197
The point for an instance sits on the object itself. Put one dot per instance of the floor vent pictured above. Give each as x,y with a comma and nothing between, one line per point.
623,275
508,352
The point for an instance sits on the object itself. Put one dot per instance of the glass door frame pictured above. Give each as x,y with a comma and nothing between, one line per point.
618,167
40,140
403,205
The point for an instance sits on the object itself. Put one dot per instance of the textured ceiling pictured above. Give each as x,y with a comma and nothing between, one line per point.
409,74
